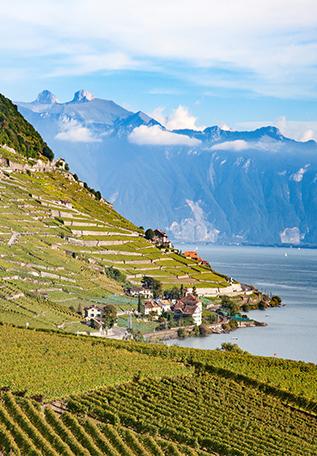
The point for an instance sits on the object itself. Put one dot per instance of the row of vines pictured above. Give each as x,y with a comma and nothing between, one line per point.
26,429
205,411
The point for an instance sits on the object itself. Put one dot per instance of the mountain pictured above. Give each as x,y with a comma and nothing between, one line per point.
215,185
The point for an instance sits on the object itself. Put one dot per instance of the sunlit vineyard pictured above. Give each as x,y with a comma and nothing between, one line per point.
76,395
291,380
214,413
27,429
54,366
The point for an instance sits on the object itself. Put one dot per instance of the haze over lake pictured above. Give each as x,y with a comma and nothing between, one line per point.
292,274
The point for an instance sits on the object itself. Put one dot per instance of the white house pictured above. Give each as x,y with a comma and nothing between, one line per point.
93,312
140,291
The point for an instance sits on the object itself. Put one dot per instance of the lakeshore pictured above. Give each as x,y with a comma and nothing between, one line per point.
291,330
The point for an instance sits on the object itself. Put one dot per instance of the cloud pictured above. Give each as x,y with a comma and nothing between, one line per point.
156,136
269,47
72,131
308,135
179,119
195,228
236,145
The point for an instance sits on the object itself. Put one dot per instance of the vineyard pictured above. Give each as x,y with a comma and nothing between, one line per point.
75,395
27,429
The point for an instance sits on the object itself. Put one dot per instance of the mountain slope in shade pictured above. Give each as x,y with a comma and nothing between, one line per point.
229,186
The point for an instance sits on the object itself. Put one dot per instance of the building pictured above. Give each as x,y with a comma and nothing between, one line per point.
151,307
193,255
93,312
165,304
145,293
188,307
161,239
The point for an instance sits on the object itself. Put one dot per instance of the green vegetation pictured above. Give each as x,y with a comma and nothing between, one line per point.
27,429
61,248
54,366
19,134
133,398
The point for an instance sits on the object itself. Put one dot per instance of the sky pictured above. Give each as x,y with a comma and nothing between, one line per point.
235,63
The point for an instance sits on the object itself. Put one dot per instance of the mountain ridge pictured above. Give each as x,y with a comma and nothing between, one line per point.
250,187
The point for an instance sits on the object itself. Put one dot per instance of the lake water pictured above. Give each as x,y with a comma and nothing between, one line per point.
292,274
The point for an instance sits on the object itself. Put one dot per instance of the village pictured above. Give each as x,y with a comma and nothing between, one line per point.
157,314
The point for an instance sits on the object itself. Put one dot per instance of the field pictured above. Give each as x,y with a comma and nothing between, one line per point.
65,394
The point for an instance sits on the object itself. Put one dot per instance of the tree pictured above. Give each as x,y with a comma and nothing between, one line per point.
232,306
140,307
173,293
115,274
149,234
275,301
194,291
109,315
152,284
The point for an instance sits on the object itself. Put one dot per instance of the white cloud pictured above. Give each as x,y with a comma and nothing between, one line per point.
308,135
268,46
236,145
195,228
179,119
72,131
156,136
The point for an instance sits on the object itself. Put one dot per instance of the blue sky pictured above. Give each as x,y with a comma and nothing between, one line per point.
238,63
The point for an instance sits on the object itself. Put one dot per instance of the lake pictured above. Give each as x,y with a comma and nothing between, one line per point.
289,272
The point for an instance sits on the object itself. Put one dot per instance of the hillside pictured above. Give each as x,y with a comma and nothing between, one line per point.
58,237
211,185
127,398
19,134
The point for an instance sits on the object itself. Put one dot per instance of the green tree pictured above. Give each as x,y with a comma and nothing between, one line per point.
109,315
149,234
115,274
152,284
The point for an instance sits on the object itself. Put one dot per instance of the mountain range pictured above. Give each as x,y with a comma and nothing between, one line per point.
214,185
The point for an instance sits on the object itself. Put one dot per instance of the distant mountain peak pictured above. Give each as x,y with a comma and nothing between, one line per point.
46,97
271,131
82,96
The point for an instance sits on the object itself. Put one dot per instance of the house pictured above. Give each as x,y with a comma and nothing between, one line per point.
93,312
161,239
188,307
151,307
193,255
140,291
165,304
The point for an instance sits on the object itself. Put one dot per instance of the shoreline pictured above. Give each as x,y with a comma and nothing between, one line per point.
172,333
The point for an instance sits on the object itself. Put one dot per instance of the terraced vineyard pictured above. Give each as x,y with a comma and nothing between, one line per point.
56,240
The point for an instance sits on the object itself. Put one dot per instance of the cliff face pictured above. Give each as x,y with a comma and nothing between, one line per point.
216,186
